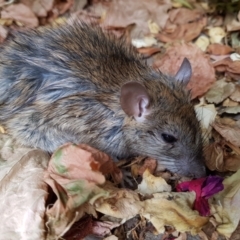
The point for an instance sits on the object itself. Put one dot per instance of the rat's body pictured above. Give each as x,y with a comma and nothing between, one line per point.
70,84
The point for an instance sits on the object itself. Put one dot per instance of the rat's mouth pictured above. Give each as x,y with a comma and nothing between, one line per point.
192,169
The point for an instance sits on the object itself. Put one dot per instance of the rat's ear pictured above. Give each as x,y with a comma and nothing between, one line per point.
135,100
185,72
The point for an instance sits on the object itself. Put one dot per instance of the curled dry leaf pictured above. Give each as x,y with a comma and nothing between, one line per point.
230,130
227,65
138,12
39,7
230,110
203,75
226,205
184,15
20,13
22,191
183,24
216,34
151,184
229,103
182,217
121,203
219,91
74,173
214,155
219,49
202,42
235,96
222,156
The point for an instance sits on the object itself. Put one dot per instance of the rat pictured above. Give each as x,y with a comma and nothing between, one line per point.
76,83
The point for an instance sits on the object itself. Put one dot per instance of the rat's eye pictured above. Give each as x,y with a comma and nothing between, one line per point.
168,138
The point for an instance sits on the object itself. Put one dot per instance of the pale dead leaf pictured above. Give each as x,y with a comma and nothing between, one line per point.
227,65
219,49
220,91
186,32
230,110
151,184
230,132
230,103
225,205
22,192
173,209
216,34
214,157
235,96
39,7
122,203
21,13
202,42
138,12
74,175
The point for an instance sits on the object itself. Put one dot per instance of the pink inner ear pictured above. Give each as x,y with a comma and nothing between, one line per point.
134,100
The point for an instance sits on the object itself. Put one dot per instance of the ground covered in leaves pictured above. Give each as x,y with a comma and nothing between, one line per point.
79,192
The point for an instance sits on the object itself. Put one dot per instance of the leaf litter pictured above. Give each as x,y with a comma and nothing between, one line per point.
79,191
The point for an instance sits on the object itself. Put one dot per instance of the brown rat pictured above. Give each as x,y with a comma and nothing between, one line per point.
75,83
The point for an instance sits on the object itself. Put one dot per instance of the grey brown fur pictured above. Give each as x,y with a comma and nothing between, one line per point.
63,85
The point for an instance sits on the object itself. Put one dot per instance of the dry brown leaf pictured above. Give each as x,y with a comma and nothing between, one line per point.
219,158
230,110
39,7
214,157
122,13
22,191
219,49
186,32
183,24
184,15
226,205
228,65
235,96
121,203
203,73
220,91
230,103
229,131
182,217
74,175
21,13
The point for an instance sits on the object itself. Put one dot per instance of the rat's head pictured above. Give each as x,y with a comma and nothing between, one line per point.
163,122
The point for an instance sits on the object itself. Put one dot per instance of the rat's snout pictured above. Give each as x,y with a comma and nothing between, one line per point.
199,172
196,170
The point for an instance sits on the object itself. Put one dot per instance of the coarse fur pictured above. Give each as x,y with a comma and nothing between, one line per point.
63,85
